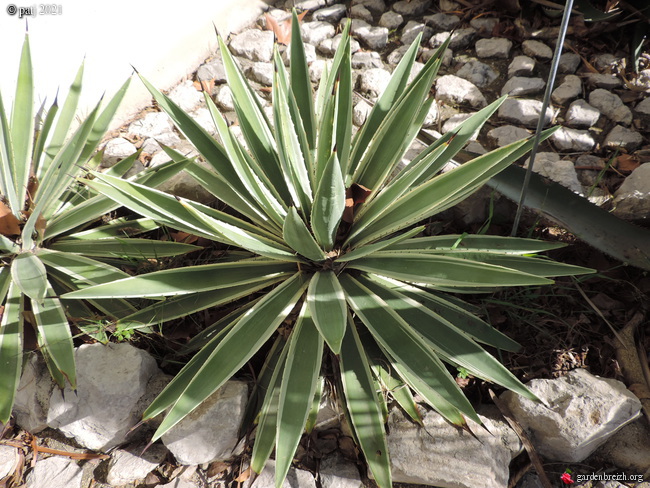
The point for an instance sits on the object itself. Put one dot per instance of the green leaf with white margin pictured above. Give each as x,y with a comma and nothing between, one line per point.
310,423
81,268
133,247
184,281
363,406
297,235
411,354
368,249
237,347
301,81
329,204
7,164
42,133
442,270
343,108
471,242
29,274
11,346
22,124
328,308
301,373
54,331
448,339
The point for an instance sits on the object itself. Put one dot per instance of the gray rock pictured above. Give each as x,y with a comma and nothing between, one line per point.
643,108
104,407
330,45
415,70
484,25
204,118
507,134
375,38
599,80
360,112
296,478
573,140
376,7
633,196
570,88
581,115
374,81
55,472
9,461
432,116
396,55
361,12
209,432
479,73
224,99
262,73
253,44
439,454
444,22
316,70
366,60
624,138
628,448
411,7
448,5
520,86
521,66
563,172
604,61
447,56
186,96
583,412
337,472
496,47
128,466
411,31
330,14
536,49
523,111
453,122
310,54
33,395
157,125
611,106
212,70
317,31
391,20
460,38
457,91
569,63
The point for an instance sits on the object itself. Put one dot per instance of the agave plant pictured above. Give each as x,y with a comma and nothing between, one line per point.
324,241
52,237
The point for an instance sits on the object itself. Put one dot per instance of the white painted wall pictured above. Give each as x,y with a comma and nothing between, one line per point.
164,41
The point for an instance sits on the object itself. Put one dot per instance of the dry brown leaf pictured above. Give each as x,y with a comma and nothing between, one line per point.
184,237
627,163
282,30
9,223
244,475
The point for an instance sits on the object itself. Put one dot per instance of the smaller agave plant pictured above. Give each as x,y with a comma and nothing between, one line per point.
326,260
54,237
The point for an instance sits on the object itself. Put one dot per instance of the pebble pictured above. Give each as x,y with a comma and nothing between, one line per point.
611,106
212,70
128,466
520,86
447,56
624,138
374,81
569,63
454,121
316,70
581,115
457,91
521,66
524,111
643,109
548,164
493,48
253,44
377,7
411,7
573,140
570,88
444,22
310,54
484,25
633,196
55,471
186,96
316,31
604,61
262,73
396,55
391,20
507,134
374,37
329,46
599,80
366,60
361,12
479,73
224,99
537,49
411,31
116,150
460,38
330,14
360,112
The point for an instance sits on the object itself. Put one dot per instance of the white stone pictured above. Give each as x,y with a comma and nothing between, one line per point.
330,45
262,73
9,461
337,472
581,115
33,395
186,96
521,66
633,196
296,478
453,122
316,70
580,412
536,49
524,111
444,22
411,7
361,12
643,108
457,91
125,467
439,454
624,138
224,99
116,150
212,70
253,44
360,112
432,116
111,379
411,31
520,86
570,88
391,20
460,38
366,60
396,55
55,472
203,117
317,31
476,72
497,47
377,7
153,124
563,172
374,37
374,81
507,134
601,80
611,106
573,140
569,63
330,14
484,25
209,432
